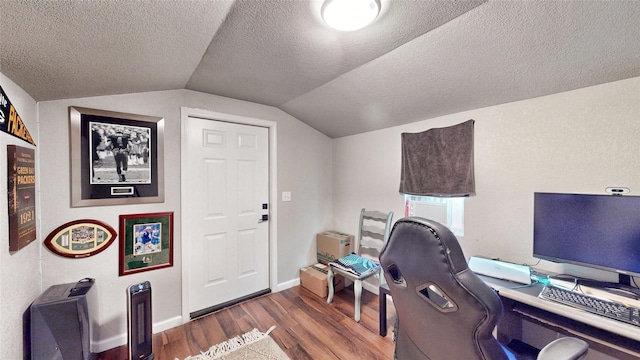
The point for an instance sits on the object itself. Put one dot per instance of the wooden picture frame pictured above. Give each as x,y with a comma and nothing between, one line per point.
146,242
80,238
116,158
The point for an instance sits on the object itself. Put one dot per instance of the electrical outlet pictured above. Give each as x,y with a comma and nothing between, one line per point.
286,196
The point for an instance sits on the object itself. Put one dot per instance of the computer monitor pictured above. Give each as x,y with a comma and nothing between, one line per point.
598,231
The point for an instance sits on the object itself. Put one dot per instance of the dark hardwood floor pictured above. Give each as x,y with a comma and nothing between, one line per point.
306,328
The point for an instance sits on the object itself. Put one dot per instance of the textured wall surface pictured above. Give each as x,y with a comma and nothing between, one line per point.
579,141
418,60
20,271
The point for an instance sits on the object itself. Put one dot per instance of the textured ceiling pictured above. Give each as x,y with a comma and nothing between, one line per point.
418,60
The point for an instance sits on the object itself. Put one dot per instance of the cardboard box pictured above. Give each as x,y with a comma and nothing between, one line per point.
332,245
314,278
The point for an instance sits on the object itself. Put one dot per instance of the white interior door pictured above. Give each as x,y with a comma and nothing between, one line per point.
227,186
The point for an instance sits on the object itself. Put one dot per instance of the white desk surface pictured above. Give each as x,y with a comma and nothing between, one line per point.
529,295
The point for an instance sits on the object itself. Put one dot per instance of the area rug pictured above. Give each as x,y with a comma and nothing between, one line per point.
253,345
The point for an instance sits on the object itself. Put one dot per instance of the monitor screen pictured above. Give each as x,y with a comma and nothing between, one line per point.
599,231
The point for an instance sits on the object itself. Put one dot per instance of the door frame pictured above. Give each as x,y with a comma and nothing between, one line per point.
185,113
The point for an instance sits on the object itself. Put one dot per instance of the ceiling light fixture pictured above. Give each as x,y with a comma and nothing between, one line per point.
349,15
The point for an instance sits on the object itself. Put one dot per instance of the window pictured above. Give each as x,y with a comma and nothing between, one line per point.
447,211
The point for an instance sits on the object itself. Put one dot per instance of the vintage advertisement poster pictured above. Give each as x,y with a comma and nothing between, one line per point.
22,202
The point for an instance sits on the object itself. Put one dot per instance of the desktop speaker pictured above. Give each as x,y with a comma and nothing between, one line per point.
500,270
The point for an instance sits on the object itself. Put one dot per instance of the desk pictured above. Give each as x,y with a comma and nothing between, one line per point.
611,337
608,336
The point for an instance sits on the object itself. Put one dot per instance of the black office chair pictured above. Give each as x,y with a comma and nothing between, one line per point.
444,310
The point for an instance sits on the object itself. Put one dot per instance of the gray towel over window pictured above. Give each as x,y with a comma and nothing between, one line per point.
438,162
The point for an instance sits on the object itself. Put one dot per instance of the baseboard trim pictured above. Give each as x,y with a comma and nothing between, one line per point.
288,284
209,310
121,339
109,343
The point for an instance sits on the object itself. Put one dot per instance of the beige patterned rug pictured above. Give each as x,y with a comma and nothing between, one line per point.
253,345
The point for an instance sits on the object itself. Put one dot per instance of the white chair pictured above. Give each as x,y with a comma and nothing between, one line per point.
373,234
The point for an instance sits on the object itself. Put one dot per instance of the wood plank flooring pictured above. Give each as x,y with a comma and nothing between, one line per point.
306,328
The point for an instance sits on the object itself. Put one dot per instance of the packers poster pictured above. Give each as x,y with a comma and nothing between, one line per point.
10,121
22,201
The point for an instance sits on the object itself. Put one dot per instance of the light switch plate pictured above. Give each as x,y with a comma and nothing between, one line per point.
286,196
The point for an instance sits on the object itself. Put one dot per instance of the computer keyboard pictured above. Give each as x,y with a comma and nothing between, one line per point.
607,308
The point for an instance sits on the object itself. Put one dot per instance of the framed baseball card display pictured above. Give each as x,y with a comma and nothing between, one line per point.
116,158
146,242
80,238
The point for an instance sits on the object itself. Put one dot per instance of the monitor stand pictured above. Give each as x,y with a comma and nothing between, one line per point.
624,279
622,287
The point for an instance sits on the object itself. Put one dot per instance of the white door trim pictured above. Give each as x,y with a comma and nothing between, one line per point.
185,113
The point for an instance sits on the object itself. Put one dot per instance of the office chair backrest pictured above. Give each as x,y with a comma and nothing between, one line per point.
444,310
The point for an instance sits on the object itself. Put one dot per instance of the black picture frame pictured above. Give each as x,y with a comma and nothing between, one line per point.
100,140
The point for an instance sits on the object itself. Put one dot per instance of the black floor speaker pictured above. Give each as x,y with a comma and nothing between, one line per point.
139,319
61,321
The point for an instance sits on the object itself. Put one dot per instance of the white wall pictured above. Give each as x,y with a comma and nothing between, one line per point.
304,169
304,161
579,141
20,270
55,170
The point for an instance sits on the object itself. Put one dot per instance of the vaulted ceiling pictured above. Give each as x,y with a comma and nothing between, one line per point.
418,60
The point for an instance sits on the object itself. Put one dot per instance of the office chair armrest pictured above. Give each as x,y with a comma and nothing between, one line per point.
565,348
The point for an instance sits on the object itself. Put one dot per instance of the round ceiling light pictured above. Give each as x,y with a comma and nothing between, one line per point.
349,15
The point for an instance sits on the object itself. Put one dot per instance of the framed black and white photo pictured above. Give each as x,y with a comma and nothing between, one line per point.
116,158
